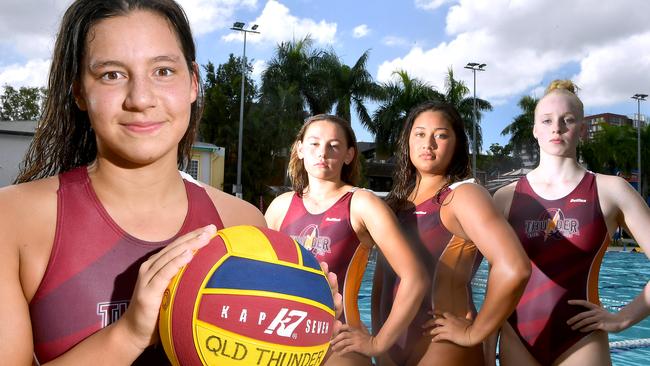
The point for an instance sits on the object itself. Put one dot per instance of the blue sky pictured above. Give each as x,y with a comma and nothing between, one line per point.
602,45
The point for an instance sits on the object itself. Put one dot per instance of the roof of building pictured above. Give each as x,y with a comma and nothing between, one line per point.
25,128
606,116
365,146
206,146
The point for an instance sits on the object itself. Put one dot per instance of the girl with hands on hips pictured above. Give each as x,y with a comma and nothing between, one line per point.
451,223
565,217
339,223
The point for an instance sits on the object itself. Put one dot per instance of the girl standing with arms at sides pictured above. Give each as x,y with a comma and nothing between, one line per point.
565,216
339,224
450,221
101,219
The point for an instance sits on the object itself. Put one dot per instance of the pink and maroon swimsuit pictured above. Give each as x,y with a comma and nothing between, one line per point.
330,237
565,240
93,267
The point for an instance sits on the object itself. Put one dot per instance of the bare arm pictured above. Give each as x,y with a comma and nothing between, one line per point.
381,227
234,211
123,341
622,206
15,325
27,226
509,265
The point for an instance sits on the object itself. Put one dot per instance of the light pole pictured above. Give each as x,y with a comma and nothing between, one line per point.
474,66
639,98
239,26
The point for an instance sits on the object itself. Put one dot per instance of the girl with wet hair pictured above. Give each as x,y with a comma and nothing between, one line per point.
451,224
339,223
101,219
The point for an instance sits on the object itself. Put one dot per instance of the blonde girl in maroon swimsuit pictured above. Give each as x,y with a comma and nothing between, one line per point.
565,216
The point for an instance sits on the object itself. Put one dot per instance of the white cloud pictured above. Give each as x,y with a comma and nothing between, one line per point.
360,31
431,4
206,16
393,41
258,68
27,27
503,77
276,24
33,73
614,72
525,42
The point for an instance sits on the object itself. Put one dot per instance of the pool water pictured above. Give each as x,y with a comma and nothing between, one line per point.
622,277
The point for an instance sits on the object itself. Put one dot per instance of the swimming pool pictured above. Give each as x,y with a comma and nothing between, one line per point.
622,277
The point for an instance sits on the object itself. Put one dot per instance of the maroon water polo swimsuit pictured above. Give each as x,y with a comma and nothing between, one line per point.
93,267
565,240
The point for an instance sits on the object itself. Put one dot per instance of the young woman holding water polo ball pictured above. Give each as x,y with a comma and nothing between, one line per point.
101,219
450,222
339,224
565,216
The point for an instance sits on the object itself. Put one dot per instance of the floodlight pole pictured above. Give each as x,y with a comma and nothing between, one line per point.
474,66
639,98
239,26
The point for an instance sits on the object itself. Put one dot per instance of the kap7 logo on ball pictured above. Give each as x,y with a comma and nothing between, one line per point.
257,298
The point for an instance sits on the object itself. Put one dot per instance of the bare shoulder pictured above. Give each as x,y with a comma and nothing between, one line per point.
28,224
235,211
29,205
468,200
615,193
364,199
27,220
277,210
503,197
470,191
283,200
612,185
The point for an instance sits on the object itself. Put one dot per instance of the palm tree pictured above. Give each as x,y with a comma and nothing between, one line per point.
397,99
292,69
350,86
458,95
521,128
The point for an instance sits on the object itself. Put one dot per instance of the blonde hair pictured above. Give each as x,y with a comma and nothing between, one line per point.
296,170
558,84
566,87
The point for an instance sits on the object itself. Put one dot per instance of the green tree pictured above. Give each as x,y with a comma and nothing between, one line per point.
521,128
611,149
397,99
499,159
220,121
23,104
294,68
350,87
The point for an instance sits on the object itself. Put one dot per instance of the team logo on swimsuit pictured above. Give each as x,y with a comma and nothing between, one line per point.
552,224
110,311
308,238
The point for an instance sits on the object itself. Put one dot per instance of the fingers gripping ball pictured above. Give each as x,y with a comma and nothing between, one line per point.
252,296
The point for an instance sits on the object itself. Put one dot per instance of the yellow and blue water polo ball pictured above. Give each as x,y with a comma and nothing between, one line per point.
252,296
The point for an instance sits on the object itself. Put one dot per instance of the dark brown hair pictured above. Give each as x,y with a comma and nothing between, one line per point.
64,138
406,177
297,172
